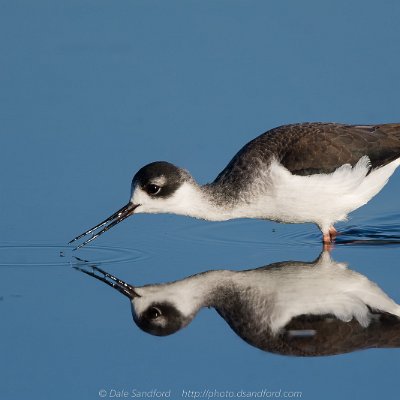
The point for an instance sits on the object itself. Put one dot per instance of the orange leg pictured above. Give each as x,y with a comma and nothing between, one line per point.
329,237
326,238
332,232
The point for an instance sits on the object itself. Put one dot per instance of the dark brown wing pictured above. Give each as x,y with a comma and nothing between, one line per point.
322,148
312,335
327,335
312,148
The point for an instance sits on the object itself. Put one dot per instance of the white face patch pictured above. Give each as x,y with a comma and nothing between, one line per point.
139,196
149,204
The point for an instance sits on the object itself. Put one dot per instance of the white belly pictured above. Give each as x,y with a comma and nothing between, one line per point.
322,198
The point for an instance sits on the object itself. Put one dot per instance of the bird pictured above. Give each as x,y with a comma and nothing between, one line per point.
291,307
299,173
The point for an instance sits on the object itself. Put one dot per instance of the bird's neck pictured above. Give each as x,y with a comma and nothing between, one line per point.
210,287
189,295
205,202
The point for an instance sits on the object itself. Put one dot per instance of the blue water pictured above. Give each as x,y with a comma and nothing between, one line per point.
90,92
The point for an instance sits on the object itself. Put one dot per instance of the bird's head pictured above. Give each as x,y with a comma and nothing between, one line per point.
159,187
159,309
159,317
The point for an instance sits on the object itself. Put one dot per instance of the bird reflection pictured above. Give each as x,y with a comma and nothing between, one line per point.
292,308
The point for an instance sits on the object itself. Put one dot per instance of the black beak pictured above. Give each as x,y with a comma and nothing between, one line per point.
111,221
122,287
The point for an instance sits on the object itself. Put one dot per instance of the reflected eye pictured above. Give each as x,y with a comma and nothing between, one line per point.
153,313
152,189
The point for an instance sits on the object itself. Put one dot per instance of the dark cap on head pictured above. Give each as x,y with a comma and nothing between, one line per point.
162,174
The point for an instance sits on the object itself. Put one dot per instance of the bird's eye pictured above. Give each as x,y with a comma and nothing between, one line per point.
153,313
152,189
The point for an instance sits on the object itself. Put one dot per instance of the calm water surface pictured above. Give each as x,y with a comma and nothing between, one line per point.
90,93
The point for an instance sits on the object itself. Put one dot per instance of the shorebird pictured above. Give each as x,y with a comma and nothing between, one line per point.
309,172
297,308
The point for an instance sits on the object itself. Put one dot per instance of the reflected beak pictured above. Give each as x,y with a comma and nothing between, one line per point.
111,221
122,287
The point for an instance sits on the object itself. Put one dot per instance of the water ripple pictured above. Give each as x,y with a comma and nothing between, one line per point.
45,255
248,233
381,230
370,235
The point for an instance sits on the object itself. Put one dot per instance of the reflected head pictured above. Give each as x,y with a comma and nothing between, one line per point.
160,319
